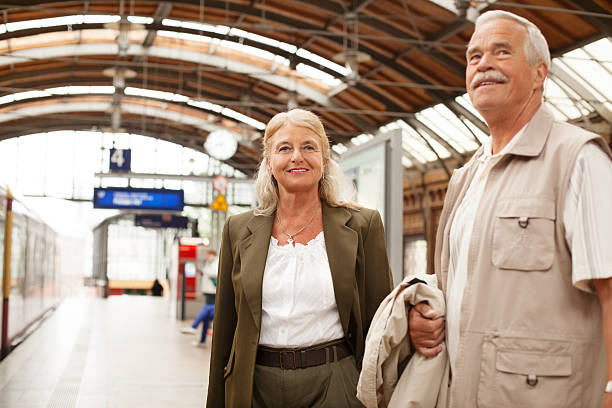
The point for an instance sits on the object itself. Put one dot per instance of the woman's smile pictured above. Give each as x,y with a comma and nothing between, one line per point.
299,170
296,159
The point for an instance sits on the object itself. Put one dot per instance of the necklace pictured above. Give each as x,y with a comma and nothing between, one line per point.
282,227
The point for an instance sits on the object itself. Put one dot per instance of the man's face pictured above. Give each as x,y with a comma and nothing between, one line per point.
498,77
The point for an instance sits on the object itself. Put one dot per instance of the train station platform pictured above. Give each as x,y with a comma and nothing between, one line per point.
124,351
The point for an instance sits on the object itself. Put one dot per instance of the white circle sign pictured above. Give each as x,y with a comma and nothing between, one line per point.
220,183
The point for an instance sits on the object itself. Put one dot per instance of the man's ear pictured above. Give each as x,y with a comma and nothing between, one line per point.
541,72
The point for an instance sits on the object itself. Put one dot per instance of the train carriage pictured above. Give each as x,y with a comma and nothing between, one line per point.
30,276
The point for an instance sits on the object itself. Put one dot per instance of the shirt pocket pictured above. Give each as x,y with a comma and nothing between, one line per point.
528,372
523,234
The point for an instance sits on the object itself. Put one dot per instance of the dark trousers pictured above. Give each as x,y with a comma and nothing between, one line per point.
209,298
330,385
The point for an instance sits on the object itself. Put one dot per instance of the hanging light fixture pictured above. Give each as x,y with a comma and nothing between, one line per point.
351,57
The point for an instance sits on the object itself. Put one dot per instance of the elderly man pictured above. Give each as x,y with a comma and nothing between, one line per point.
522,251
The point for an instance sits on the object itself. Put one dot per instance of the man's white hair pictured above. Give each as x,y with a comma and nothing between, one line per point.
536,47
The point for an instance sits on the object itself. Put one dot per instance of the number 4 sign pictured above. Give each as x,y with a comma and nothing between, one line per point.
120,159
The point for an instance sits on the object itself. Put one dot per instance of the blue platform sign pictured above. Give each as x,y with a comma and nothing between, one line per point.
120,159
138,198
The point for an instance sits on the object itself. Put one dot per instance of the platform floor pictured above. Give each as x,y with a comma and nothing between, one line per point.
124,351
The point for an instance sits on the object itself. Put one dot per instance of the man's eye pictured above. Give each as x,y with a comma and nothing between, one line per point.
474,57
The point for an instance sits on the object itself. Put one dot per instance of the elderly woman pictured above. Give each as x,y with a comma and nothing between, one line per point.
300,279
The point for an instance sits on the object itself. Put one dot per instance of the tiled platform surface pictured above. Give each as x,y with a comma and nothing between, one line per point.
124,351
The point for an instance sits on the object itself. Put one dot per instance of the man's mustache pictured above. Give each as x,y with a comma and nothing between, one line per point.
487,76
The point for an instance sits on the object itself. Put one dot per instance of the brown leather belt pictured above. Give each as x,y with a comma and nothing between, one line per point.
293,359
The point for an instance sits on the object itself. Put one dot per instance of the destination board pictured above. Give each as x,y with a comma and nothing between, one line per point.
138,198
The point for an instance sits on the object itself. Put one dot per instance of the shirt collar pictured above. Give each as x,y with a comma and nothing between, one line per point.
529,141
487,155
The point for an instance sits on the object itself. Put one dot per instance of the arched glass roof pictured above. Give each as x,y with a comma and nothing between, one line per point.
575,89
290,64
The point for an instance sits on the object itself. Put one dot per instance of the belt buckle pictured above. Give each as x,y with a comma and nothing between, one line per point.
288,353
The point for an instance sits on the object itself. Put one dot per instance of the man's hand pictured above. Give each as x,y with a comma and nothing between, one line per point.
426,333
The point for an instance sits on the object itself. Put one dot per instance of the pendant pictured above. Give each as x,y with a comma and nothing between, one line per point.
290,240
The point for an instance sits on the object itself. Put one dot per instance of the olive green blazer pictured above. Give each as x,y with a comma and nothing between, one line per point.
355,244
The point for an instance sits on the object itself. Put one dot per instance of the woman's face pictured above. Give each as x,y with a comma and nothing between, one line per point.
296,159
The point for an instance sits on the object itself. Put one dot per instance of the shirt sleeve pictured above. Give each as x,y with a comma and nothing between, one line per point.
587,217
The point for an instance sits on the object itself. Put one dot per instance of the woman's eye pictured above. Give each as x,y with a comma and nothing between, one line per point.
283,148
309,147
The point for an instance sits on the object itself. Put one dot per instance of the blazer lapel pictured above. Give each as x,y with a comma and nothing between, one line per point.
253,254
341,246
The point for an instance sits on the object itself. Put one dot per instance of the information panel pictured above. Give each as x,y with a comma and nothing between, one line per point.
376,169
138,198
367,171
161,221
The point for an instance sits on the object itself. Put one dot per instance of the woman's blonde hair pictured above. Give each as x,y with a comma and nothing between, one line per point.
334,187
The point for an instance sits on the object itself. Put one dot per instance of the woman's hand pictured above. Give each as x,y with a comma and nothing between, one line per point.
426,333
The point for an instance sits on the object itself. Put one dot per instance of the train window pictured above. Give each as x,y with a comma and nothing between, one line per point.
18,253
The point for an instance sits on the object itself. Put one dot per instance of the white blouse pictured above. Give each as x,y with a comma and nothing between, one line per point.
298,303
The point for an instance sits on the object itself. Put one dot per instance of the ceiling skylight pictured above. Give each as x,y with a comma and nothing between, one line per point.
131,91
67,21
217,29
172,97
317,74
236,32
62,90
